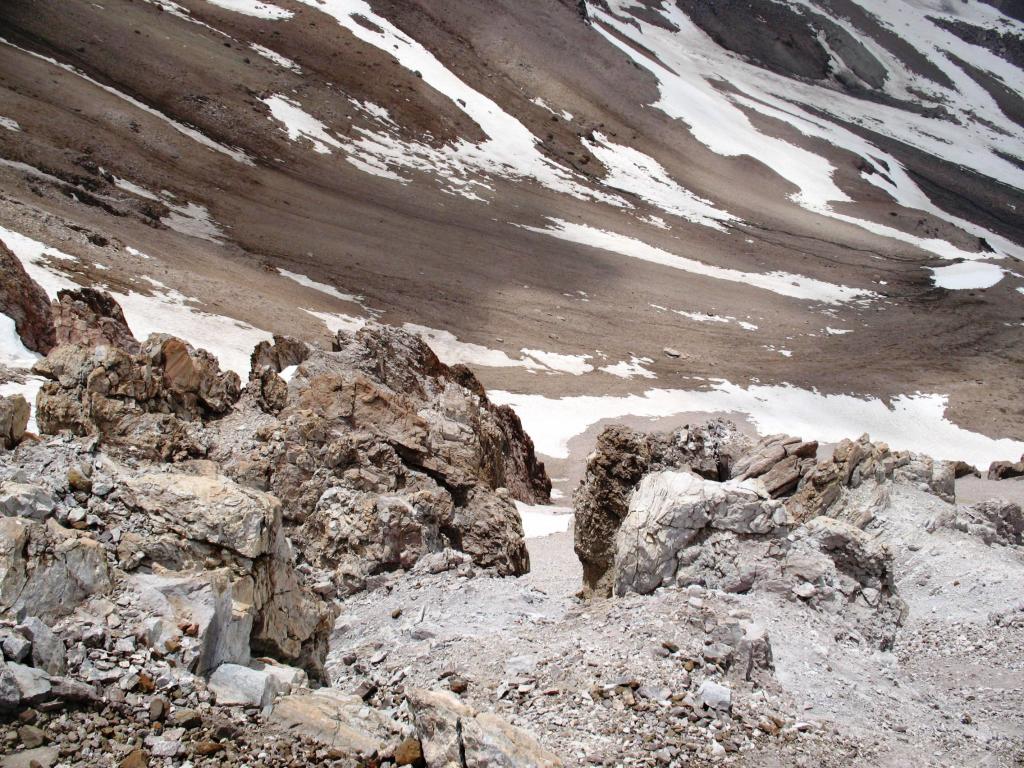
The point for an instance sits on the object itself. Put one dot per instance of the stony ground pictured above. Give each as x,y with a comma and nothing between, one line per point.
616,682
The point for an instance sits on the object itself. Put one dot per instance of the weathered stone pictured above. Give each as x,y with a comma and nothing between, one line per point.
235,685
452,734
14,415
48,652
336,720
26,500
715,696
668,511
75,568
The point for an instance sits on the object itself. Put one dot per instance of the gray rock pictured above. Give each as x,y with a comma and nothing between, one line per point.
667,512
48,651
715,696
453,734
26,500
10,690
16,647
33,684
14,415
235,685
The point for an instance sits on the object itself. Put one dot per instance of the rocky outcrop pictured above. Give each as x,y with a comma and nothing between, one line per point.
25,302
778,467
14,415
1005,470
87,317
620,459
683,530
381,455
994,521
147,402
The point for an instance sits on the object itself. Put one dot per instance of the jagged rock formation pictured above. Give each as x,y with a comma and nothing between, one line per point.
173,530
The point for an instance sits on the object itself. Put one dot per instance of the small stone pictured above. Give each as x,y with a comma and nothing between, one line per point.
186,718
409,752
135,759
396,613
670,352
16,648
715,696
805,590
31,737
78,481
457,684
158,707
207,748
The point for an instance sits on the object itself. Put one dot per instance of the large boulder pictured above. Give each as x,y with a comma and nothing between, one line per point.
87,317
620,459
25,302
669,512
453,734
191,521
14,416
47,570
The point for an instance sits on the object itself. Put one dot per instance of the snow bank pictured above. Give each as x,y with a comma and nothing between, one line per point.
910,422
966,275
540,520
782,283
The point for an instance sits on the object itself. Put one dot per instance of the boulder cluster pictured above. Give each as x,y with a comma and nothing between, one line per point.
174,544
708,506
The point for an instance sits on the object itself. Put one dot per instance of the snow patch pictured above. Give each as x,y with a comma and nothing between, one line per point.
638,174
9,124
13,352
542,520
338,321
577,365
909,422
634,367
782,283
330,290
281,61
300,124
966,275
255,8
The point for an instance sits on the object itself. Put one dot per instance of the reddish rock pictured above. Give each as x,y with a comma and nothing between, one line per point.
26,303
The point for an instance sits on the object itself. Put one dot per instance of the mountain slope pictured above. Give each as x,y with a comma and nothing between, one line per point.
819,192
